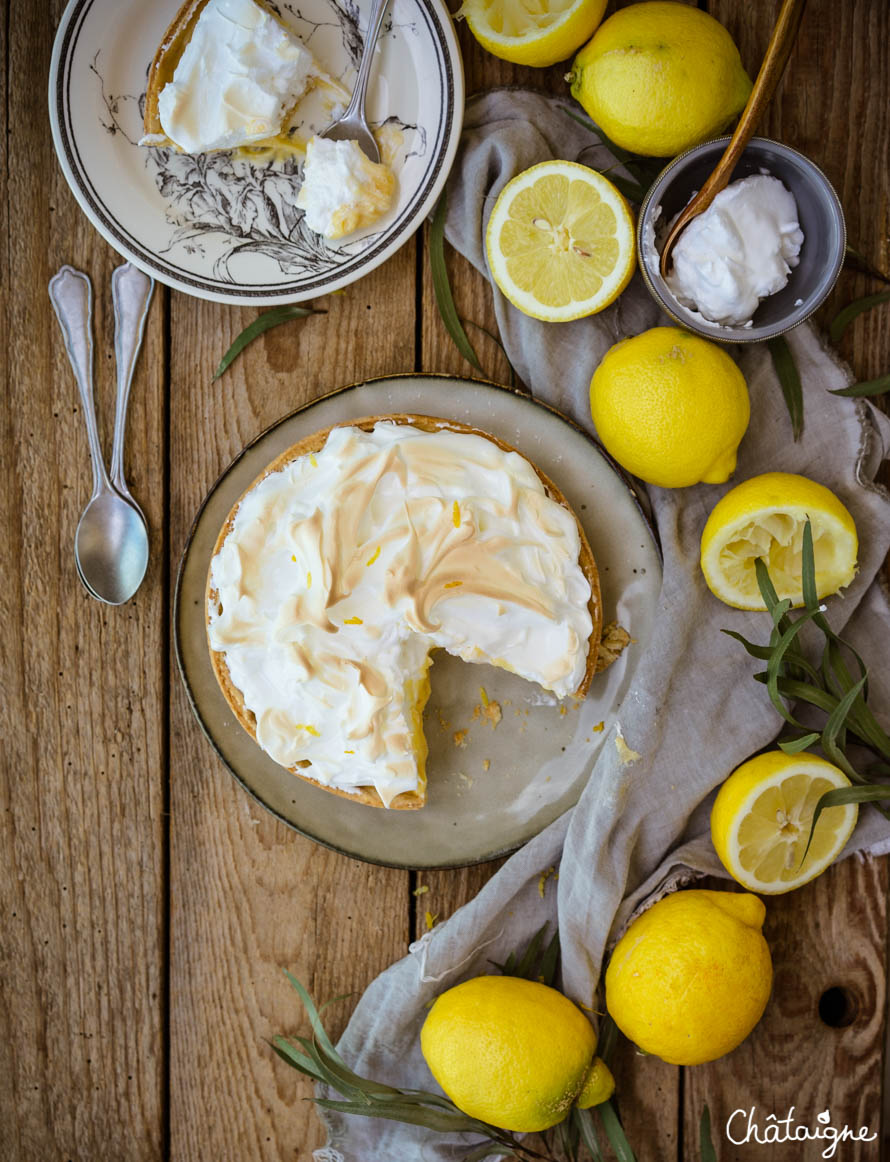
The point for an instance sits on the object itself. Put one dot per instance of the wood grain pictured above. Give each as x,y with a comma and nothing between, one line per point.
82,896
134,1000
249,897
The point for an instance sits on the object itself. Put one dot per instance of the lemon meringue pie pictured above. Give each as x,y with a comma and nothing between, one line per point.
361,550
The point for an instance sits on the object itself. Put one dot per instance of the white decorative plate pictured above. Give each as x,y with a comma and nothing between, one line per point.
220,227
491,787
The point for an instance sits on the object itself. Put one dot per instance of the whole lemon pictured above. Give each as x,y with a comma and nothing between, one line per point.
690,978
512,1052
670,407
660,77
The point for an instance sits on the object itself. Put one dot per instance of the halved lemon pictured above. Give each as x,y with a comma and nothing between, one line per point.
532,32
560,241
765,517
761,820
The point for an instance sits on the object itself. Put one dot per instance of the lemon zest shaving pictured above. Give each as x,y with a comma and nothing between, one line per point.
483,695
551,871
293,557
431,920
353,621
308,580
452,584
455,515
309,729
372,559
420,889
349,752
599,728
312,460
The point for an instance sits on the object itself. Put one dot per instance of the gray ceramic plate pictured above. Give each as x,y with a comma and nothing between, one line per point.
506,782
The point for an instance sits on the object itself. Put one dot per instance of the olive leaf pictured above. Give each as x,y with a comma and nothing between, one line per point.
442,287
615,1132
857,261
265,322
862,390
789,381
706,1145
844,318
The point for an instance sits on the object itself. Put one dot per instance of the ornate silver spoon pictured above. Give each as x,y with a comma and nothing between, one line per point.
111,541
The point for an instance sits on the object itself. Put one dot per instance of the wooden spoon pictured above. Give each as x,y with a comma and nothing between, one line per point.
777,53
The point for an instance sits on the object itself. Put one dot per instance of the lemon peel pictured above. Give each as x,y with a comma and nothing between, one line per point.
691,977
513,1052
659,78
670,407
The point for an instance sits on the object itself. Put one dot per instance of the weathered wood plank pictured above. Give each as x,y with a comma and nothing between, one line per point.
250,897
81,712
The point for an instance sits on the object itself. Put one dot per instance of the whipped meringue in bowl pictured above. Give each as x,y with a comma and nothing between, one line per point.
763,256
739,251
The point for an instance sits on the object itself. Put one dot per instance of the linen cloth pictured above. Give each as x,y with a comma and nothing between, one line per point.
693,713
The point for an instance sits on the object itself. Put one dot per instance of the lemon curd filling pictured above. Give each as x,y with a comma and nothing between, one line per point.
343,190
337,675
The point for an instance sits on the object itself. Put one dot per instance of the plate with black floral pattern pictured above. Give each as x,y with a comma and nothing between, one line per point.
226,227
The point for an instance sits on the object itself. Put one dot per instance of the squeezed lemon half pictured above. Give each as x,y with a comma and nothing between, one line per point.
762,816
765,517
532,32
560,241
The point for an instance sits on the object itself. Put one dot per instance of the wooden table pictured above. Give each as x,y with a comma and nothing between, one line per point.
147,905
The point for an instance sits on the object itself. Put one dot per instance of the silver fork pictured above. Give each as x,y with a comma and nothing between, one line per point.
353,124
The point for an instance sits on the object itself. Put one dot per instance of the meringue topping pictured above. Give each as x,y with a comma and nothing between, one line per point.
238,76
343,569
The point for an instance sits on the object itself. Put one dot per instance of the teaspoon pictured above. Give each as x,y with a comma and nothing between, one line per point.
353,124
111,541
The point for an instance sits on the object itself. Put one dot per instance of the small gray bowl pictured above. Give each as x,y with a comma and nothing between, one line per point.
819,213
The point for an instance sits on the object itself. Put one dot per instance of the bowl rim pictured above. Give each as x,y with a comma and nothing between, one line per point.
726,334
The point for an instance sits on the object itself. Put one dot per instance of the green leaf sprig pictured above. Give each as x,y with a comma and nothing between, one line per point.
706,1144
265,322
789,381
837,687
442,287
870,387
844,318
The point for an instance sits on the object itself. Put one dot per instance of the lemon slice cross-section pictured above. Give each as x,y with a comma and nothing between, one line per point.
762,816
532,32
765,517
560,241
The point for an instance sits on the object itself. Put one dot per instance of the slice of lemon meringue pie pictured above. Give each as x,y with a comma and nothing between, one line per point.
358,552
229,74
